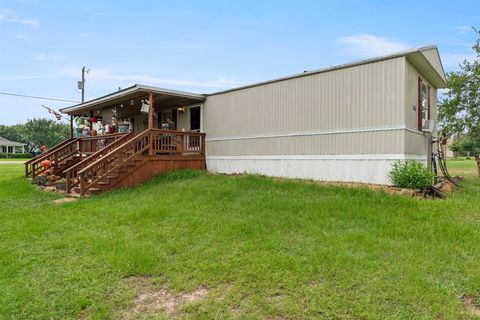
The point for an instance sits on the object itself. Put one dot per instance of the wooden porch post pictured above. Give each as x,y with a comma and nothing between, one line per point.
150,111
71,127
150,123
91,124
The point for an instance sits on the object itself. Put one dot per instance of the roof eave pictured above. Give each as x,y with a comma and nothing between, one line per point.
127,91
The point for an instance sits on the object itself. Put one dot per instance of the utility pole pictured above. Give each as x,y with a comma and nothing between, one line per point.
82,85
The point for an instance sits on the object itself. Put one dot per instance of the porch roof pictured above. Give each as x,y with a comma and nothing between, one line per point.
162,98
5,142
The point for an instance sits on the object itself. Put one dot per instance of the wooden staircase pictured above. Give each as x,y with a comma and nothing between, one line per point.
68,153
96,164
134,159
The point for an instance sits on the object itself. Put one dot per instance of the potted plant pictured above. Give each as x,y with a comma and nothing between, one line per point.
40,180
80,126
61,184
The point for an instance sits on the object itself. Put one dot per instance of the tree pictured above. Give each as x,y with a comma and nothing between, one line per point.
12,133
36,133
39,132
459,110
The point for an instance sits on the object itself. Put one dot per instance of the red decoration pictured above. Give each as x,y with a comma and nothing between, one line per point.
46,164
93,119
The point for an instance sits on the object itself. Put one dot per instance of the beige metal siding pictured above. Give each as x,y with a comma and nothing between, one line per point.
388,142
416,142
361,97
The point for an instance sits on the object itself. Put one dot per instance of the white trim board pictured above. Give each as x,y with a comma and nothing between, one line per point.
372,168
394,156
314,133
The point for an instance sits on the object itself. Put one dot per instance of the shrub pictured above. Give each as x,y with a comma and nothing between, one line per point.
411,174
15,155
40,180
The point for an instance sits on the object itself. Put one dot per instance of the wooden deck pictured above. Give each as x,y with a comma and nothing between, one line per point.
96,164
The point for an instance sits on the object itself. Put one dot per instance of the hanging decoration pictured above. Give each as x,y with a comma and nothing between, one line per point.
145,107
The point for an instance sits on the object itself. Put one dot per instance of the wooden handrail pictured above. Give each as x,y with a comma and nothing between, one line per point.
64,149
72,172
56,156
177,142
100,168
117,150
114,144
193,133
42,155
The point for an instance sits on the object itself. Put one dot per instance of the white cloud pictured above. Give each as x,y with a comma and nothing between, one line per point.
367,45
10,16
451,61
21,36
463,29
45,57
104,74
26,77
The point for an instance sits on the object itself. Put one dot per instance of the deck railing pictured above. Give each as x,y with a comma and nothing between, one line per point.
99,169
70,147
43,156
71,173
177,142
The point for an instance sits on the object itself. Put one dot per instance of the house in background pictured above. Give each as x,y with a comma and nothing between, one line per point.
7,146
344,123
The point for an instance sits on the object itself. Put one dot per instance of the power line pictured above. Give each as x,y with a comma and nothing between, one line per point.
35,97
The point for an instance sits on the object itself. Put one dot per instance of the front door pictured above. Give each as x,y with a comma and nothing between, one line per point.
195,119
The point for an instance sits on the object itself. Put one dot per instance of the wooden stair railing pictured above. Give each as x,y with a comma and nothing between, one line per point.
43,156
71,173
68,148
55,157
120,157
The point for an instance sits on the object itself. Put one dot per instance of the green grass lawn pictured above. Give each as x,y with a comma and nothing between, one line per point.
13,160
262,248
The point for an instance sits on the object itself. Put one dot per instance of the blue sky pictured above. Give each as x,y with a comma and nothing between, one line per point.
205,46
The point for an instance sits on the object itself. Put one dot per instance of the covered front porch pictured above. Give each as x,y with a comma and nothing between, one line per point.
125,138
137,108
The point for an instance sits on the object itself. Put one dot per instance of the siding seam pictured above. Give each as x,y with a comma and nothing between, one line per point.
394,156
316,133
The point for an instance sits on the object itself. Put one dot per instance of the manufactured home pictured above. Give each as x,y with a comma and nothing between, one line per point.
343,123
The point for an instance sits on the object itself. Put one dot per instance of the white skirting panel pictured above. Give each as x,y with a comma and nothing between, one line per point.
366,168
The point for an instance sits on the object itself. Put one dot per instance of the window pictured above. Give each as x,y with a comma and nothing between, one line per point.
423,103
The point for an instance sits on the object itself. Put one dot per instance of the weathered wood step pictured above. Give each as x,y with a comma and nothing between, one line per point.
94,190
73,195
113,176
103,183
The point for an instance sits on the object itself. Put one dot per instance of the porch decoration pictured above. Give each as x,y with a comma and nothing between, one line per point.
145,107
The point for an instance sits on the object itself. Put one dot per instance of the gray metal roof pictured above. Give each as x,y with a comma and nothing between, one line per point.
133,90
6,142
437,79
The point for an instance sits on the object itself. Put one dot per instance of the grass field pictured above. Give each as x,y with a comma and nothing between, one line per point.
14,160
257,248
